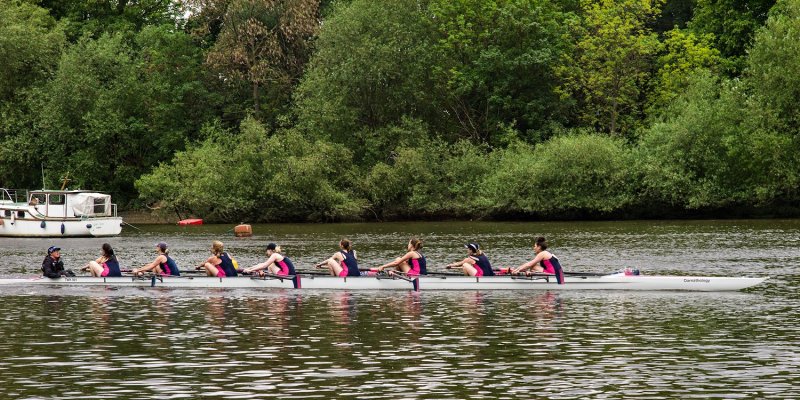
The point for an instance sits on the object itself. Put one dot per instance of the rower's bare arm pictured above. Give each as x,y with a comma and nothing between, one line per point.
397,261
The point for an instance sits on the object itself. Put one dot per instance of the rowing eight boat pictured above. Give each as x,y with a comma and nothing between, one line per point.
429,282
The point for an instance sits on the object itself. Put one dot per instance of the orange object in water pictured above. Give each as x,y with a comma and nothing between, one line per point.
243,230
190,221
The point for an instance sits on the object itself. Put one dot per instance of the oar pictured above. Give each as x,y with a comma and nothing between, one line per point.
445,273
506,271
401,275
316,273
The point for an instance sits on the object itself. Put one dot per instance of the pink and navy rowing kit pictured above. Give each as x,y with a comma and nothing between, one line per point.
169,267
552,266
111,268
418,265
482,265
286,266
349,264
225,266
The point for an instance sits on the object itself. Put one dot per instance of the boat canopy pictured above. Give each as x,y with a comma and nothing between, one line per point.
91,204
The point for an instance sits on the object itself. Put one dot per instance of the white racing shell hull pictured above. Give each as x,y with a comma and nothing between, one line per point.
426,283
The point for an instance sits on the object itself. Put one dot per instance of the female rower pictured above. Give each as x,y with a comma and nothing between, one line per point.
106,265
220,263
544,262
476,263
276,264
343,262
162,265
412,263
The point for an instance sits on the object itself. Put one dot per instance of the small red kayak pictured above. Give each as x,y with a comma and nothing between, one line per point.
190,221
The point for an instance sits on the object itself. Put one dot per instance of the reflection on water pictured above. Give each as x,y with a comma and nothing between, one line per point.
145,343
398,345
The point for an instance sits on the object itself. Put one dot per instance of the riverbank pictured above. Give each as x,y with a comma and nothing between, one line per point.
664,213
142,217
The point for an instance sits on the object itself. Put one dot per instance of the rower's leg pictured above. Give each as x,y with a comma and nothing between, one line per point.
334,267
469,269
210,269
404,267
274,269
95,268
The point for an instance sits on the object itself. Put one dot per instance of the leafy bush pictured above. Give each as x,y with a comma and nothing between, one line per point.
252,175
582,172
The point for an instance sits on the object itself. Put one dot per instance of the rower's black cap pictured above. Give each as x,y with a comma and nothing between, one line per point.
272,246
52,249
473,246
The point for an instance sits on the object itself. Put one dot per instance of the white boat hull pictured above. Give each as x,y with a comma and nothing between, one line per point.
96,227
431,282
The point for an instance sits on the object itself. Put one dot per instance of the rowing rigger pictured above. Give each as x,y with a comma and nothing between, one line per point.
402,282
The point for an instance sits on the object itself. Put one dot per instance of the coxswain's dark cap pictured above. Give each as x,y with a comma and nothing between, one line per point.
52,249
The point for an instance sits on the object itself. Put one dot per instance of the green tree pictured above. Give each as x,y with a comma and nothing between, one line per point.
773,72
714,148
30,43
733,24
265,43
113,109
612,65
683,54
95,17
371,70
495,64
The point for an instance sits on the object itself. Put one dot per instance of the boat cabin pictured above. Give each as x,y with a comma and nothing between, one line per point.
58,204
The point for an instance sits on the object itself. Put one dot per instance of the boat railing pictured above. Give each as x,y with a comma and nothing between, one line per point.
12,195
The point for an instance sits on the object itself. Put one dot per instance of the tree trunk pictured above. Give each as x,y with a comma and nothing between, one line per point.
256,103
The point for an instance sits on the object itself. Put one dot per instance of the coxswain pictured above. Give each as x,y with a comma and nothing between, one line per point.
343,262
476,263
411,263
276,264
53,266
162,265
106,265
544,262
220,264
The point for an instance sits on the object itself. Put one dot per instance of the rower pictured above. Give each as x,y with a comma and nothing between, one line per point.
220,263
53,266
162,265
276,264
106,265
411,263
476,263
544,262
343,262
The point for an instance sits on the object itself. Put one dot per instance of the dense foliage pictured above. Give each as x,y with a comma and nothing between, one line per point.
309,110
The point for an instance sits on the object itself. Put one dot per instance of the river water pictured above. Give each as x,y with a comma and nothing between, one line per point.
97,343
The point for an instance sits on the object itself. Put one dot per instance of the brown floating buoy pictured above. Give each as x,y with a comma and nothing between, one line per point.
243,230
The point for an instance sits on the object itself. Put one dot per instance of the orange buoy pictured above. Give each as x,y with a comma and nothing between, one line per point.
243,230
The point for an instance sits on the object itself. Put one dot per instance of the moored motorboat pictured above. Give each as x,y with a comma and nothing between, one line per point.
57,213
423,283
